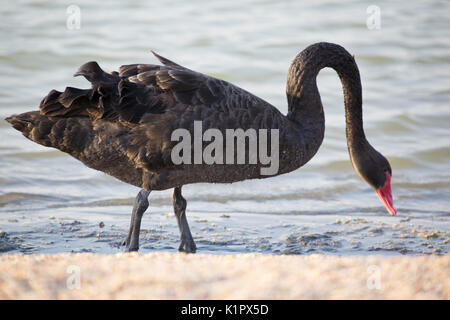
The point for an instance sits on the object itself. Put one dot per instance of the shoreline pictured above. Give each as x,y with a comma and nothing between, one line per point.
162,275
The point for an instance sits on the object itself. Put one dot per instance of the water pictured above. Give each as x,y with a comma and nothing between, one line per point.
49,202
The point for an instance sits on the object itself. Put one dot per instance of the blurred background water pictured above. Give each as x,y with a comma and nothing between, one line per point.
49,202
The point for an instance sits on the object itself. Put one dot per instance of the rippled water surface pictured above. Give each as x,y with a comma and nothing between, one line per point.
50,202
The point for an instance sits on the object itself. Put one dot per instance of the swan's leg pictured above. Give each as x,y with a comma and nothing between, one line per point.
126,242
179,204
139,207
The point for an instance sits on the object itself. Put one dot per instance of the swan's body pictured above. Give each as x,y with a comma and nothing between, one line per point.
123,125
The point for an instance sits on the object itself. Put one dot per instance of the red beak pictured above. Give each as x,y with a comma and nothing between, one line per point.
385,195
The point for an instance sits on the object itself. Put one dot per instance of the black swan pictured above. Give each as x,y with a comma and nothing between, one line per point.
123,126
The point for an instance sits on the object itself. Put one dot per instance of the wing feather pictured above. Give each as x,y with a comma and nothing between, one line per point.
154,100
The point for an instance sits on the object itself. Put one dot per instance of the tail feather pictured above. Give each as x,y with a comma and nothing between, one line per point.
65,134
20,123
34,126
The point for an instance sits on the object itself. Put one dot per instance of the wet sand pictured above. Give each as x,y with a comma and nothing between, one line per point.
243,276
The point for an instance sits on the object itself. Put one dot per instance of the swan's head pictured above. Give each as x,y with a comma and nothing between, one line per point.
375,169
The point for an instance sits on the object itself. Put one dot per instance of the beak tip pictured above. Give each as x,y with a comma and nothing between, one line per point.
385,195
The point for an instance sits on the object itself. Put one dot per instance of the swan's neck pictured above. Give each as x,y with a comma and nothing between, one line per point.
304,103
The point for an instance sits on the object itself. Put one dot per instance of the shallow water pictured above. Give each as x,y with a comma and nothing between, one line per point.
50,202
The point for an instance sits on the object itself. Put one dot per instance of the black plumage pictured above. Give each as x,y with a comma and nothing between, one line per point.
122,125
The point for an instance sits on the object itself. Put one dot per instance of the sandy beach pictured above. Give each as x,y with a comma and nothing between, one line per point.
243,276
